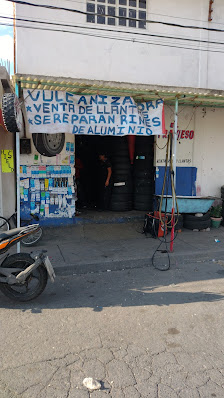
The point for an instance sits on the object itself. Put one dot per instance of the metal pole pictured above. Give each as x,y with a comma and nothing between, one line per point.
175,142
14,36
17,134
18,175
174,158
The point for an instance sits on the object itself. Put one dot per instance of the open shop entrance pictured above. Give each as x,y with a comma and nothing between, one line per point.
131,184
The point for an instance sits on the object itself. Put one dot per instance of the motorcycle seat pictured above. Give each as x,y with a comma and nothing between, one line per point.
10,233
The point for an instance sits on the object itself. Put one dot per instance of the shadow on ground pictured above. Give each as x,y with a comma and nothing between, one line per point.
183,284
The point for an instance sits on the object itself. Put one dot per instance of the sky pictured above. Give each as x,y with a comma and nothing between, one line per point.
6,33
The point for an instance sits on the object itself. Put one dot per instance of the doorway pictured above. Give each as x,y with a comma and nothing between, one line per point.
132,184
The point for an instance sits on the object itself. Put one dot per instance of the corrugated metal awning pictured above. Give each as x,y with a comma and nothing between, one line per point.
140,92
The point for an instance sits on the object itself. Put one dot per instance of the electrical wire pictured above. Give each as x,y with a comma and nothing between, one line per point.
168,16
51,7
112,30
193,113
116,38
162,147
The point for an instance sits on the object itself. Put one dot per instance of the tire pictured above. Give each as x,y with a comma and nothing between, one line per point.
125,189
147,168
143,206
121,170
179,224
32,239
148,191
144,183
143,164
10,113
121,197
144,175
144,152
4,225
121,165
121,176
144,142
200,225
23,260
147,162
139,197
121,161
49,144
121,153
197,220
121,147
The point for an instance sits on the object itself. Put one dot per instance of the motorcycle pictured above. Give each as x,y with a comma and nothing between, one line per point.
23,276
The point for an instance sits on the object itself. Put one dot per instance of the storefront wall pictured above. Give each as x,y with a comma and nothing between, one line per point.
41,176
199,151
114,55
7,175
199,165
47,185
140,59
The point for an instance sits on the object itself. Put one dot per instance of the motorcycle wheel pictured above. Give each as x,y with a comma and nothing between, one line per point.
34,284
32,239
4,225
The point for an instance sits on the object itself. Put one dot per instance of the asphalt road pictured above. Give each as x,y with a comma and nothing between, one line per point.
140,332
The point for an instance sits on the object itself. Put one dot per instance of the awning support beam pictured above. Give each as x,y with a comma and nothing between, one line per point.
174,154
174,161
18,175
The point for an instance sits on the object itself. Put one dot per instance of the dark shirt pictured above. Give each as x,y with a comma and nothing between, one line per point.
104,165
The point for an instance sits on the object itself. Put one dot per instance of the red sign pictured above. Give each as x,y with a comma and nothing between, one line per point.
2,121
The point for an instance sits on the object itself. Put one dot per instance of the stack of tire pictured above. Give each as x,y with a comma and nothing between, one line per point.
143,174
122,189
222,196
197,221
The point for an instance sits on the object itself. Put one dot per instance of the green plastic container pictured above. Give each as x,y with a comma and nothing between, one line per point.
215,222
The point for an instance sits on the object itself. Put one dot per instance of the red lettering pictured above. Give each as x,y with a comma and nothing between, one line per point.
191,135
182,134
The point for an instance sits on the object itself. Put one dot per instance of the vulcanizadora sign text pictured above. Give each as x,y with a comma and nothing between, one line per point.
63,112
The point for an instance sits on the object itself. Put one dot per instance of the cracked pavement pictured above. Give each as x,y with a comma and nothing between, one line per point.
140,332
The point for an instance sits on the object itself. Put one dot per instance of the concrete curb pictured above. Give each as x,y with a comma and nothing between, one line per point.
176,260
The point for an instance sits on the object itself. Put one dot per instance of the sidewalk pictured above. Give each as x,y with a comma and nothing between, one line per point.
80,249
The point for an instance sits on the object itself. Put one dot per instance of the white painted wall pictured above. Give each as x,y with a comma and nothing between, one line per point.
155,62
29,160
204,151
208,150
185,139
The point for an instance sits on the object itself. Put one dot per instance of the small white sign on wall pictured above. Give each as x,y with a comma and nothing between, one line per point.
185,138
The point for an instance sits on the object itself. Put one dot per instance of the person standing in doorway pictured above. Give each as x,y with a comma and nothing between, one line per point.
104,182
